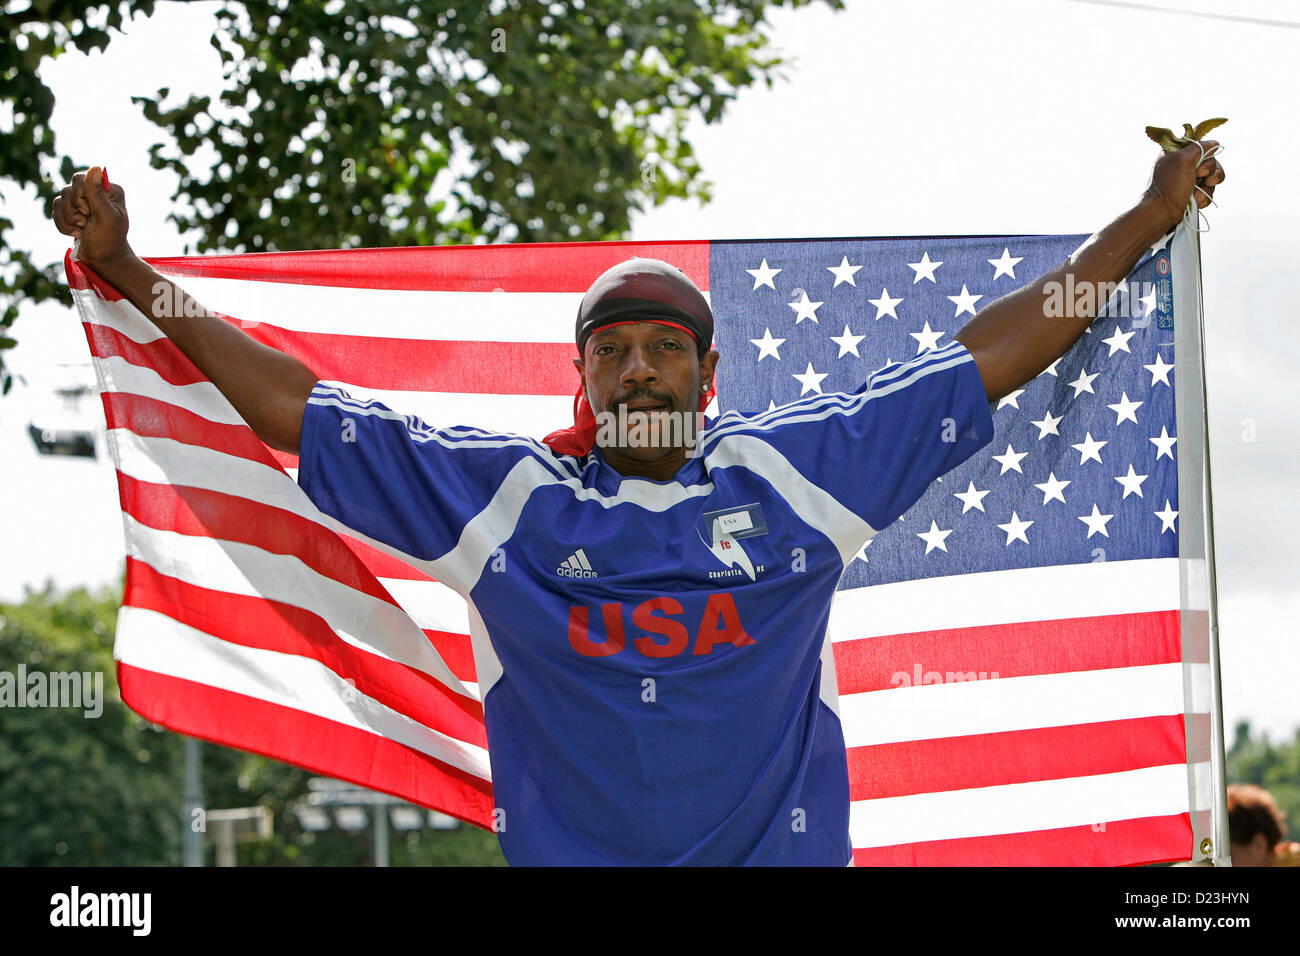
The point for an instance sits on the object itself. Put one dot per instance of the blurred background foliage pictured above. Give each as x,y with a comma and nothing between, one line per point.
108,790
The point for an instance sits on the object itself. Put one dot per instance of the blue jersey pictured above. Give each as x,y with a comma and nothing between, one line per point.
657,683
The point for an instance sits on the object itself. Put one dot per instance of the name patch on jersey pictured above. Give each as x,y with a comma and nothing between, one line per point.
726,528
744,521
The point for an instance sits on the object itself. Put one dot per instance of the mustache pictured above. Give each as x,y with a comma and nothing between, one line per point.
644,393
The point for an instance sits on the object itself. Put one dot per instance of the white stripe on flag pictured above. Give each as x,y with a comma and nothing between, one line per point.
154,642
1011,703
1006,597
201,398
365,622
535,416
393,313
1019,807
431,604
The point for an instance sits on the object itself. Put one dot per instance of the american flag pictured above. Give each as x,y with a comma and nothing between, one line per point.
1011,676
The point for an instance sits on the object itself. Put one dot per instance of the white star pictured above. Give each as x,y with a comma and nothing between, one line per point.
862,552
924,269
1084,382
1160,244
810,380
1125,408
1010,460
1051,369
885,305
1164,444
1119,341
843,272
1096,522
1005,265
804,309
1047,425
1015,528
1149,300
763,275
1089,448
1010,399
1167,518
848,342
926,339
971,498
1052,488
1132,482
964,302
771,405
934,538
1159,371
768,345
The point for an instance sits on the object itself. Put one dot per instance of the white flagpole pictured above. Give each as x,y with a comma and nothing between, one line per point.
1207,774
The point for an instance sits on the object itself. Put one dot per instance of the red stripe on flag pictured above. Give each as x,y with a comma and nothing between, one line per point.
430,365
81,276
514,267
212,514
1018,756
1010,650
314,743
152,418
260,622
161,355
456,651
491,368
284,459
1122,843
382,565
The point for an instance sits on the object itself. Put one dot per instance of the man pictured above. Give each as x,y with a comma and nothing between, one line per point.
649,616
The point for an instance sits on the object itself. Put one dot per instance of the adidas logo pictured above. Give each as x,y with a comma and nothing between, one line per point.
576,566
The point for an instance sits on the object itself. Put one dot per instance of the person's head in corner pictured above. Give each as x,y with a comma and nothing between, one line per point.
1255,825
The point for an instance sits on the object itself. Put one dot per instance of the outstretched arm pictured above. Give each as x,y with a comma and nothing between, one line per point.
1013,339
267,387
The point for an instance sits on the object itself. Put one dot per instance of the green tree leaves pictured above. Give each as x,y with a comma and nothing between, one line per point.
384,123
27,150
107,791
75,789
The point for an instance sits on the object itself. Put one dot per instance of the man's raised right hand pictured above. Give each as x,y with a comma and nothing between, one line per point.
95,218
268,388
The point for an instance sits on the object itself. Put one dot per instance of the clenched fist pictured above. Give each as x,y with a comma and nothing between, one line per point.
1182,175
94,217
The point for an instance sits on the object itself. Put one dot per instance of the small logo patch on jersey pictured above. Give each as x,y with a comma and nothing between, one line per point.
727,528
576,565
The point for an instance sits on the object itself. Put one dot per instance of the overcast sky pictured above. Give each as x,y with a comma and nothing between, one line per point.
898,118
